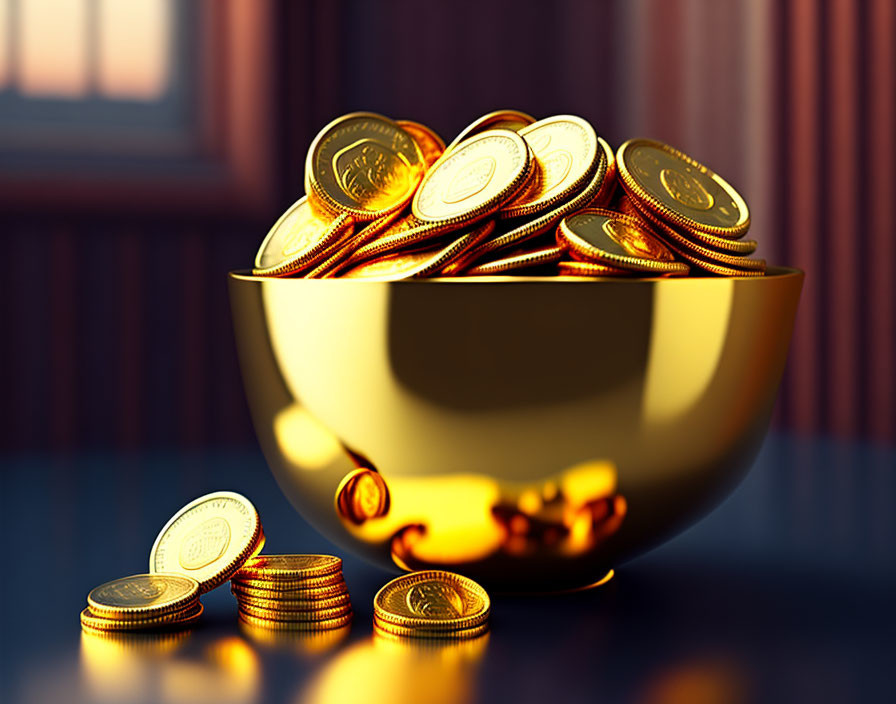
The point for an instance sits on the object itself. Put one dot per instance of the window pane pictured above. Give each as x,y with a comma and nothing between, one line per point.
134,42
52,47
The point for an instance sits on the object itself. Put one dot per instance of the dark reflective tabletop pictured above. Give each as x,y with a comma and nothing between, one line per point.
786,592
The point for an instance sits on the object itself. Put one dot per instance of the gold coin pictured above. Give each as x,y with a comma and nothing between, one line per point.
298,236
608,187
566,155
272,624
208,539
723,244
270,590
432,599
278,604
606,237
408,233
525,260
285,584
713,267
342,250
474,179
589,269
384,627
176,619
363,164
431,145
288,567
681,190
504,119
294,615
545,221
406,265
142,595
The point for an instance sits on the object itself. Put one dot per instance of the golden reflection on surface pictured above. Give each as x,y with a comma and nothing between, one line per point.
399,671
304,440
466,518
138,667
700,681
303,642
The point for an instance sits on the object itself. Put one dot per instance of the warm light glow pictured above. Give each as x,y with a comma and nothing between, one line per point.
129,57
304,440
133,49
4,38
52,47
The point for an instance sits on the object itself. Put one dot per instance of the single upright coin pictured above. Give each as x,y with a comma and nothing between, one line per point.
297,238
617,240
680,190
474,179
431,145
505,119
362,164
566,155
432,600
289,567
208,539
142,596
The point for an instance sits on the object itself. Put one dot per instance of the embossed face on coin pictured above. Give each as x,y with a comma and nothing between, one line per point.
363,164
434,600
473,179
566,153
142,591
681,189
208,539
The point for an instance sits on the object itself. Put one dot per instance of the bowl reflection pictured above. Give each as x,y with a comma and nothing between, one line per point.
530,433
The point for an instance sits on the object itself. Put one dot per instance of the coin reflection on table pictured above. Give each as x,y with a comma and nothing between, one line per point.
395,672
172,667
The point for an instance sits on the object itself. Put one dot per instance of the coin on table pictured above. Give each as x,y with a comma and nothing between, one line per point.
273,624
431,145
474,179
566,156
175,619
297,239
520,260
208,539
143,596
289,567
433,600
384,627
680,190
618,240
363,165
505,119
589,269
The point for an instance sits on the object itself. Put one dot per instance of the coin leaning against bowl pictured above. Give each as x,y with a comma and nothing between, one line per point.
511,194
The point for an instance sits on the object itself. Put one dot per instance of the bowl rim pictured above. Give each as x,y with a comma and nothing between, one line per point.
772,272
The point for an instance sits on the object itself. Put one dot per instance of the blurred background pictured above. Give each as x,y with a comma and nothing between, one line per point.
147,146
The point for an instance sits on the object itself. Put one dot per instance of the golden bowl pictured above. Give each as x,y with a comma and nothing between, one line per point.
531,433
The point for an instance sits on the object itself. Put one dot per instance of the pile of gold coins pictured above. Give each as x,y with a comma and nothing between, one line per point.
143,602
292,592
431,604
217,538
387,200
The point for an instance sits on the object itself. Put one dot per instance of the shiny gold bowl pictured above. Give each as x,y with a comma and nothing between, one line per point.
531,433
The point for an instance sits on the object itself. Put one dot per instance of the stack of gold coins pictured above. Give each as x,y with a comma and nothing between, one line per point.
432,604
142,602
386,200
292,592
